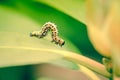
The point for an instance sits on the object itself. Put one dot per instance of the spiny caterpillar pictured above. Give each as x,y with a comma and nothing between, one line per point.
44,31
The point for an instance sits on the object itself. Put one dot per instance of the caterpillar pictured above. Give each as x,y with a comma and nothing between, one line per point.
54,33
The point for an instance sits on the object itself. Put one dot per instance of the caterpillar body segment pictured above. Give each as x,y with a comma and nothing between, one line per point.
58,41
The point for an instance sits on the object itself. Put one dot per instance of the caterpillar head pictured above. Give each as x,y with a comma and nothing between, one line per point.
61,42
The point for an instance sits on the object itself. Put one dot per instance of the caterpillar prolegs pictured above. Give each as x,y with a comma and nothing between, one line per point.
44,31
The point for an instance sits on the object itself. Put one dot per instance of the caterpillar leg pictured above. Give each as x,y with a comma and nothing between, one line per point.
54,42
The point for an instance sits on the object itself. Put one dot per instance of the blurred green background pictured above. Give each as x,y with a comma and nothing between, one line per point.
20,17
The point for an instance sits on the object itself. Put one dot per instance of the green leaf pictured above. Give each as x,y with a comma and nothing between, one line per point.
16,45
75,9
